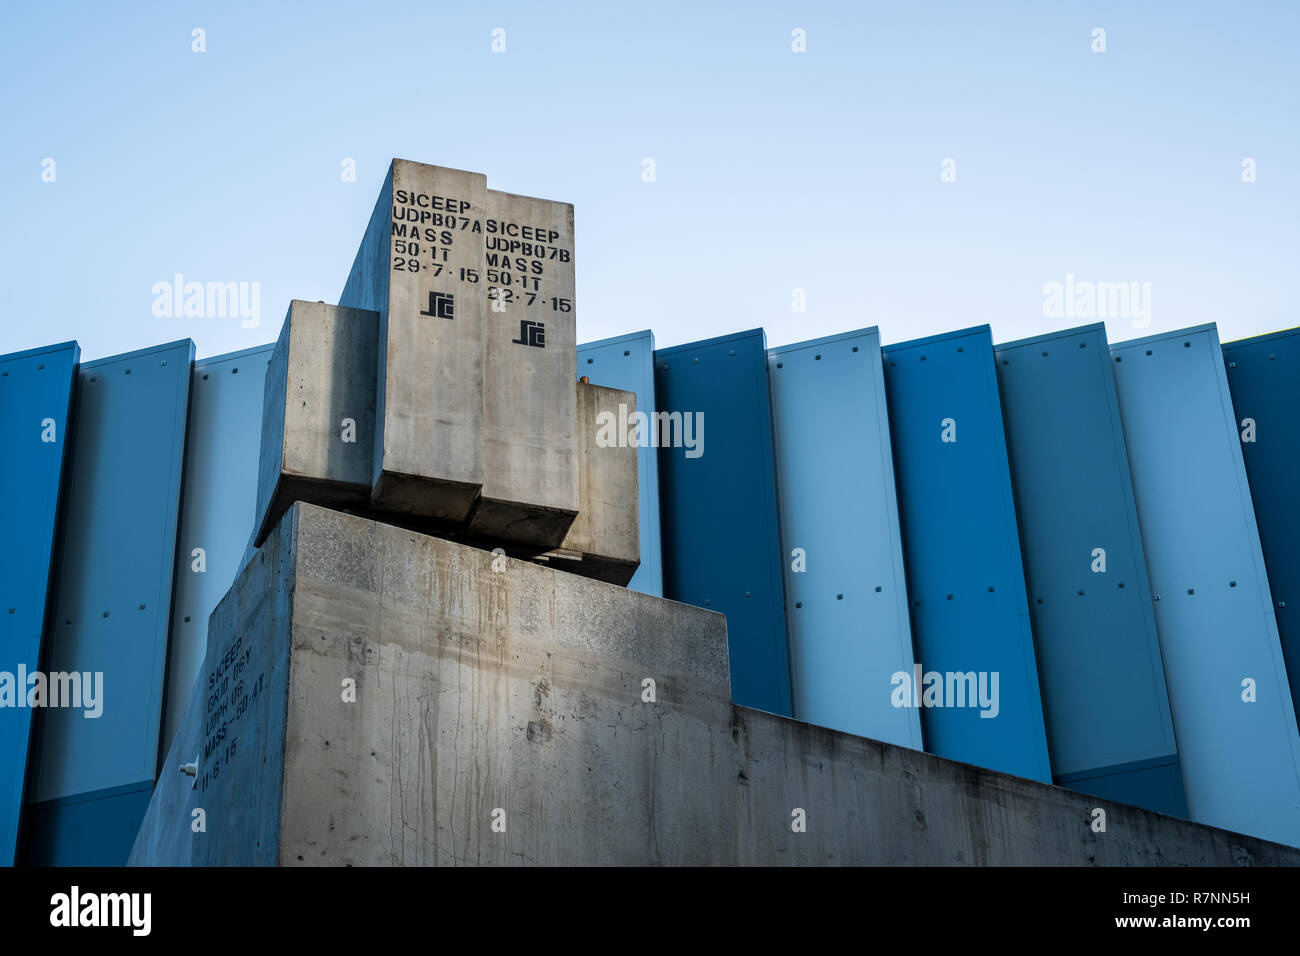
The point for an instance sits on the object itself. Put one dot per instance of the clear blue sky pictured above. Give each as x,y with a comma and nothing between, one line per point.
774,170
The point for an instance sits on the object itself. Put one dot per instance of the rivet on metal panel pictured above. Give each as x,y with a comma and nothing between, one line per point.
732,352
893,364
1006,361
798,603
877,588
1148,351
93,379
916,603
625,352
1191,590
959,349
128,371
839,597
163,362
1040,600
855,348
1281,603
1230,364
105,614
1187,345
664,367
1083,345
746,594
1081,592
205,378
1157,597
141,607
234,371
1044,355
1232,584
11,610
922,358
695,361
1121,584
187,619
590,361
780,365
990,589
1270,358
817,358
949,597
707,603
42,365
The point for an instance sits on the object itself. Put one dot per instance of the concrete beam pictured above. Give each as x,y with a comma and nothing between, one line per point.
376,696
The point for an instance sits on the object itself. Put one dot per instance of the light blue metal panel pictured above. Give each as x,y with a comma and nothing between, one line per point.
722,548
846,608
218,506
1264,376
1241,760
116,555
35,399
627,362
962,554
1108,725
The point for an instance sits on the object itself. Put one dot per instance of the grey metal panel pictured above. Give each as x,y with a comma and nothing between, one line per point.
218,508
1099,664
1214,614
846,611
627,362
116,554
35,401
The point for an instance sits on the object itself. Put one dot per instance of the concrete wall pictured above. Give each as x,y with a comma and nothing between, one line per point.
517,697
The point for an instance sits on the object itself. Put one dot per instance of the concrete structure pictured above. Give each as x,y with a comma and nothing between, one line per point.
846,592
420,266
504,717
318,431
604,538
1108,724
627,362
1228,689
530,469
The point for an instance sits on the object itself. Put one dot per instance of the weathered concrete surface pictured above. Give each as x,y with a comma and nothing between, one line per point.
318,418
530,471
517,696
420,266
604,539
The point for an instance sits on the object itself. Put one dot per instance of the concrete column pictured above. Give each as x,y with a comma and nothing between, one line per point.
318,422
530,471
420,266
605,536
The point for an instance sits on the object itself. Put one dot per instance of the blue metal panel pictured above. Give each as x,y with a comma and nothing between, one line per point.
1241,760
90,829
218,508
721,546
1108,724
627,362
1264,376
116,554
35,398
961,550
846,607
